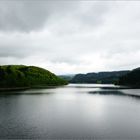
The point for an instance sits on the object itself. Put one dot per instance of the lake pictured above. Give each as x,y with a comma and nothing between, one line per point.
75,111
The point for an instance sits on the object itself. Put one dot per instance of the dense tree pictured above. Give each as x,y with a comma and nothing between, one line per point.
131,79
101,77
27,76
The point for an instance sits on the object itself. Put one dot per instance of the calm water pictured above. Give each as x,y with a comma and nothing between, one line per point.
79,111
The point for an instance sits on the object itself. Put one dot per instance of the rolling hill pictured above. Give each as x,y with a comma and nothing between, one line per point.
101,77
13,76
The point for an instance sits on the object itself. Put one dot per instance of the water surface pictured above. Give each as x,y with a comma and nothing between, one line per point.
75,111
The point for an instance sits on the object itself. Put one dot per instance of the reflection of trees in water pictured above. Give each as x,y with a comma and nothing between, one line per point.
113,92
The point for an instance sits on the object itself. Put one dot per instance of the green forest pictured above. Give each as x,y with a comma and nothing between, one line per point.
131,79
98,78
16,76
12,76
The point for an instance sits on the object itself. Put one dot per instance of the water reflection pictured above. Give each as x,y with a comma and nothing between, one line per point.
114,92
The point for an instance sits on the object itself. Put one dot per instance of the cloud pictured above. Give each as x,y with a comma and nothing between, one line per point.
70,36
28,15
22,16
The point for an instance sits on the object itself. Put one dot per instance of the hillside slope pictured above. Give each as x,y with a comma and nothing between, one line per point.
131,79
101,77
27,76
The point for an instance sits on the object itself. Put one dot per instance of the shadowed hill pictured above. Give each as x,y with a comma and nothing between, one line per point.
101,77
131,79
12,76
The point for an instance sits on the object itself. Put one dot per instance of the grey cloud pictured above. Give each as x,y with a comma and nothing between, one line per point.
13,51
30,15
81,17
93,13
20,15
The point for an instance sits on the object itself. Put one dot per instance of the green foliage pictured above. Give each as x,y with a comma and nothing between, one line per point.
131,79
101,77
27,76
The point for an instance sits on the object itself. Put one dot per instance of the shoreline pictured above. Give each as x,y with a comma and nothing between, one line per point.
53,86
14,89
25,88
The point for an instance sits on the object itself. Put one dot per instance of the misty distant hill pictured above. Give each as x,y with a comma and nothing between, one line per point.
13,76
131,79
101,77
67,77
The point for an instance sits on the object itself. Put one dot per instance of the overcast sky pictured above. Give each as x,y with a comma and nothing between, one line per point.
68,37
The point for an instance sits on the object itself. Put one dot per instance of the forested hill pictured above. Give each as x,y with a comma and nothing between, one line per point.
101,77
12,76
131,79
